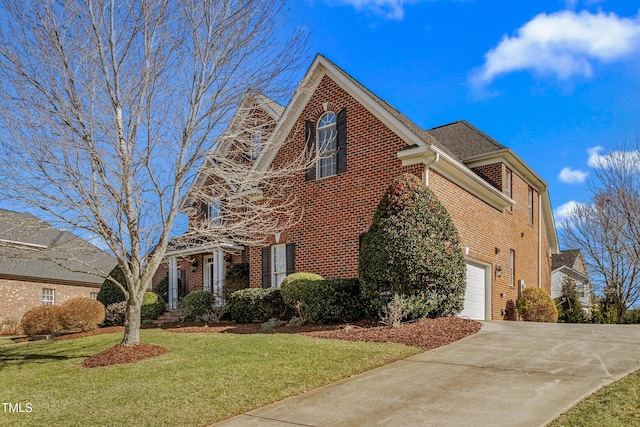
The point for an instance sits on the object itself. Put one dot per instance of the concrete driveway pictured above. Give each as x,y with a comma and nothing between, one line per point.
508,374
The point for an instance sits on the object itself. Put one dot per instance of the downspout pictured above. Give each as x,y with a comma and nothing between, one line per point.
426,168
539,240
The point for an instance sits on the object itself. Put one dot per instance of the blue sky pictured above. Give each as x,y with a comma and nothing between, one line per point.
553,80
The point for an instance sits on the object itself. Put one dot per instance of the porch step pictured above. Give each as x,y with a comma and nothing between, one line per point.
169,316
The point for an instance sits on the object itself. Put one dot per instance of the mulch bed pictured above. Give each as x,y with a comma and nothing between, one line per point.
123,354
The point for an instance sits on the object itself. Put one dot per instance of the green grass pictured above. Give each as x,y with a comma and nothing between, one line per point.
204,377
617,404
5,339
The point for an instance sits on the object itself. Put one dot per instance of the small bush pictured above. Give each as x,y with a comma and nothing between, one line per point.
10,327
293,287
256,304
536,305
162,288
214,314
152,306
195,304
236,278
110,293
41,320
115,313
271,325
84,314
326,301
403,308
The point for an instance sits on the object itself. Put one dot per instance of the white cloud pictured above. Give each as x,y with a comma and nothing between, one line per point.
388,9
563,44
564,211
629,159
571,176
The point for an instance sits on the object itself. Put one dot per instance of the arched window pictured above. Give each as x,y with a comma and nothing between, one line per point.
326,145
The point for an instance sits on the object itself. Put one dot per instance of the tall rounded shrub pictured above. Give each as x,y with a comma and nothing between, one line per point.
536,305
110,293
413,248
152,306
84,314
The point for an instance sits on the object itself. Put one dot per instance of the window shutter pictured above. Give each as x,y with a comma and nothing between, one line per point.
310,137
266,267
291,258
341,128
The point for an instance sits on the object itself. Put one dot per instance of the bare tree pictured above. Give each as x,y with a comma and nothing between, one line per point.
608,229
110,108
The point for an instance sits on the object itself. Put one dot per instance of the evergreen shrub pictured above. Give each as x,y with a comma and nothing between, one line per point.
236,278
115,314
152,306
194,305
110,293
413,248
256,304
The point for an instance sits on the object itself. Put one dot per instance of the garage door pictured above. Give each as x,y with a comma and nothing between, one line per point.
474,296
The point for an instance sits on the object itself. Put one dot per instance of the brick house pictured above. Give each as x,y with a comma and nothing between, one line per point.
500,206
40,264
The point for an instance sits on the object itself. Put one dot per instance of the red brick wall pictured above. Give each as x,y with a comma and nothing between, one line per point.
339,208
16,297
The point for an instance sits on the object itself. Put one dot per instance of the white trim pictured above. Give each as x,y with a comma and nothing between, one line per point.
202,248
274,273
173,282
30,245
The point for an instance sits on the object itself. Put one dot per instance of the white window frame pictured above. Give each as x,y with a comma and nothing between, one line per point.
327,145
93,295
48,296
213,212
507,184
530,206
257,138
278,272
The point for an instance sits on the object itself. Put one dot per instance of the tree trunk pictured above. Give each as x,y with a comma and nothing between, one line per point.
620,312
132,323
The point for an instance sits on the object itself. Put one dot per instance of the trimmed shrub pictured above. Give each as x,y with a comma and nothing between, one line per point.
110,293
84,314
536,305
413,248
115,314
41,320
327,301
152,306
256,304
162,288
195,304
292,289
236,278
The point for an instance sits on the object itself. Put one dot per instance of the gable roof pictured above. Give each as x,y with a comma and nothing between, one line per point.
565,258
32,250
465,140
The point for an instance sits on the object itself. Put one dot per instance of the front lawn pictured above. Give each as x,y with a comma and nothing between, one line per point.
204,377
617,404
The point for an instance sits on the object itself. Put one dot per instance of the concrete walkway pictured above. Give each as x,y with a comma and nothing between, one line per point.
508,374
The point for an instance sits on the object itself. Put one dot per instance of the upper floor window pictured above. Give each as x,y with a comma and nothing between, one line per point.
327,146
327,139
212,212
530,206
256,144
507,183
47,296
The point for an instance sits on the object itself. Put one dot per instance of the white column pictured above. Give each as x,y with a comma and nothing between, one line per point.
218,274
173,282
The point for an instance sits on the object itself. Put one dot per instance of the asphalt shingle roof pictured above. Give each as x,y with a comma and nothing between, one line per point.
31,248
564,258
465,140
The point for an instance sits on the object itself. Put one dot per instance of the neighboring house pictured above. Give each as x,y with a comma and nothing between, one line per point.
570,263
40,264
499,205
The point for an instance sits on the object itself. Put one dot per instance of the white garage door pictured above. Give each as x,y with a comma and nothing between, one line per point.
474,296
